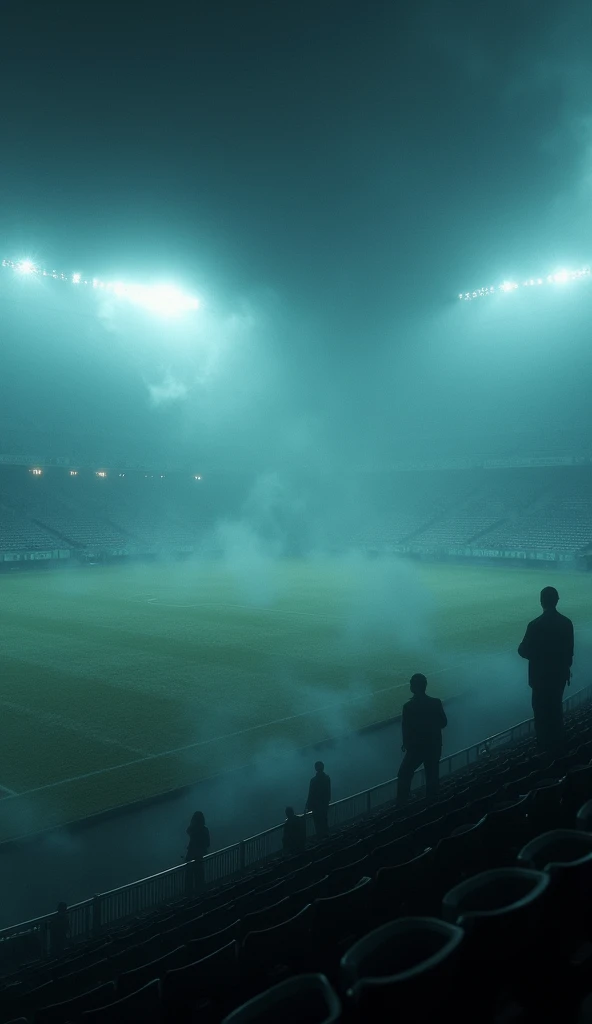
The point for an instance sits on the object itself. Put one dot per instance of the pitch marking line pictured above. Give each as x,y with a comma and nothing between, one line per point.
242,732
220,739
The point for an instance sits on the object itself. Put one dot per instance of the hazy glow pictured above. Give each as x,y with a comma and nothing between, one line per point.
558,277
160,299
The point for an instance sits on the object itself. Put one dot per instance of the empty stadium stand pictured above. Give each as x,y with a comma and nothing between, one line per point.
528,512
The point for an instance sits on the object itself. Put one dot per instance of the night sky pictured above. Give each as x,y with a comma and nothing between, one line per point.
327,176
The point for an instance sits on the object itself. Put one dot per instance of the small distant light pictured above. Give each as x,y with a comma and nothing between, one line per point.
73,472
101,473
539,280
121,474
198,477
36,472
162,476
561,276
75,278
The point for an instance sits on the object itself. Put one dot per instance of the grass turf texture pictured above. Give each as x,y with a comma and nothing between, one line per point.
119,683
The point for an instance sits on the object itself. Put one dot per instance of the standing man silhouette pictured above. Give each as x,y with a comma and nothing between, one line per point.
422,724
548,646
319,798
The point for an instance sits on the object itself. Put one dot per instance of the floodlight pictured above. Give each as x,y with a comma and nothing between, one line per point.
161,299
561,276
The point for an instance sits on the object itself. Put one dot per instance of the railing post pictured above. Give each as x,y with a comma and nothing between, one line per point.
369,800
241,855
96,919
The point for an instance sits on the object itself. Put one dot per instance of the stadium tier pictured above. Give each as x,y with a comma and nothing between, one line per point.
537,513
386,917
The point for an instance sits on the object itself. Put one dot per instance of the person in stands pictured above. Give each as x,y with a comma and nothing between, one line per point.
422,723
319,798
294,834
548,646
199,844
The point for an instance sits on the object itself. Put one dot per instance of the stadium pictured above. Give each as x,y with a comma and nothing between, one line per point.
295,519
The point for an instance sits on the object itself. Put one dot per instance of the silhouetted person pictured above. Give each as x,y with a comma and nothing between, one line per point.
548,647
294,835
422,723
59,929
199,844
319,798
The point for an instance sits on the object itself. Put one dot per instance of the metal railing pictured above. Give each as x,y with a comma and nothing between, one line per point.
111,909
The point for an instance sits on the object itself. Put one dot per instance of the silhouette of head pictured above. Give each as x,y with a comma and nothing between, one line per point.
418,683
319,766
198,819
549,598
290,812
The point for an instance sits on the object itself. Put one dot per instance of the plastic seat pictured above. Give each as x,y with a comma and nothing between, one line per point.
391,854
269,916
577,788
347,877
215,977
567,856
71,1009
283,944
502,912
408,968
506,828
345,912
348,855
545,811
308,997
460,854
407,885
198,948
131,981
141,1006
302,897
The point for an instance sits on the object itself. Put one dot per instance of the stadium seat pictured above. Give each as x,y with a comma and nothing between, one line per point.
410,886
132,980
460,854
346,912
71,1009
545,811
390,854
141,1006
347,877
577,788
308,997
206,944
407,969
301,897
505,829
567,856
215,977
284,944
503,913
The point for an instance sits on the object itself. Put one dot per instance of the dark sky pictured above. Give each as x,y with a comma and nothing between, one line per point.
328,175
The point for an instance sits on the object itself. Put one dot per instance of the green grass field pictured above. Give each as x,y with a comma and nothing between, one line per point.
118,683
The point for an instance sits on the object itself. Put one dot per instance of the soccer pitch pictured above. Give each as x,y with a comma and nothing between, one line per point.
120,683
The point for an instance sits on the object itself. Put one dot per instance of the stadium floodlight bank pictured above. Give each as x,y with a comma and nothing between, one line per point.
559,277
161,299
